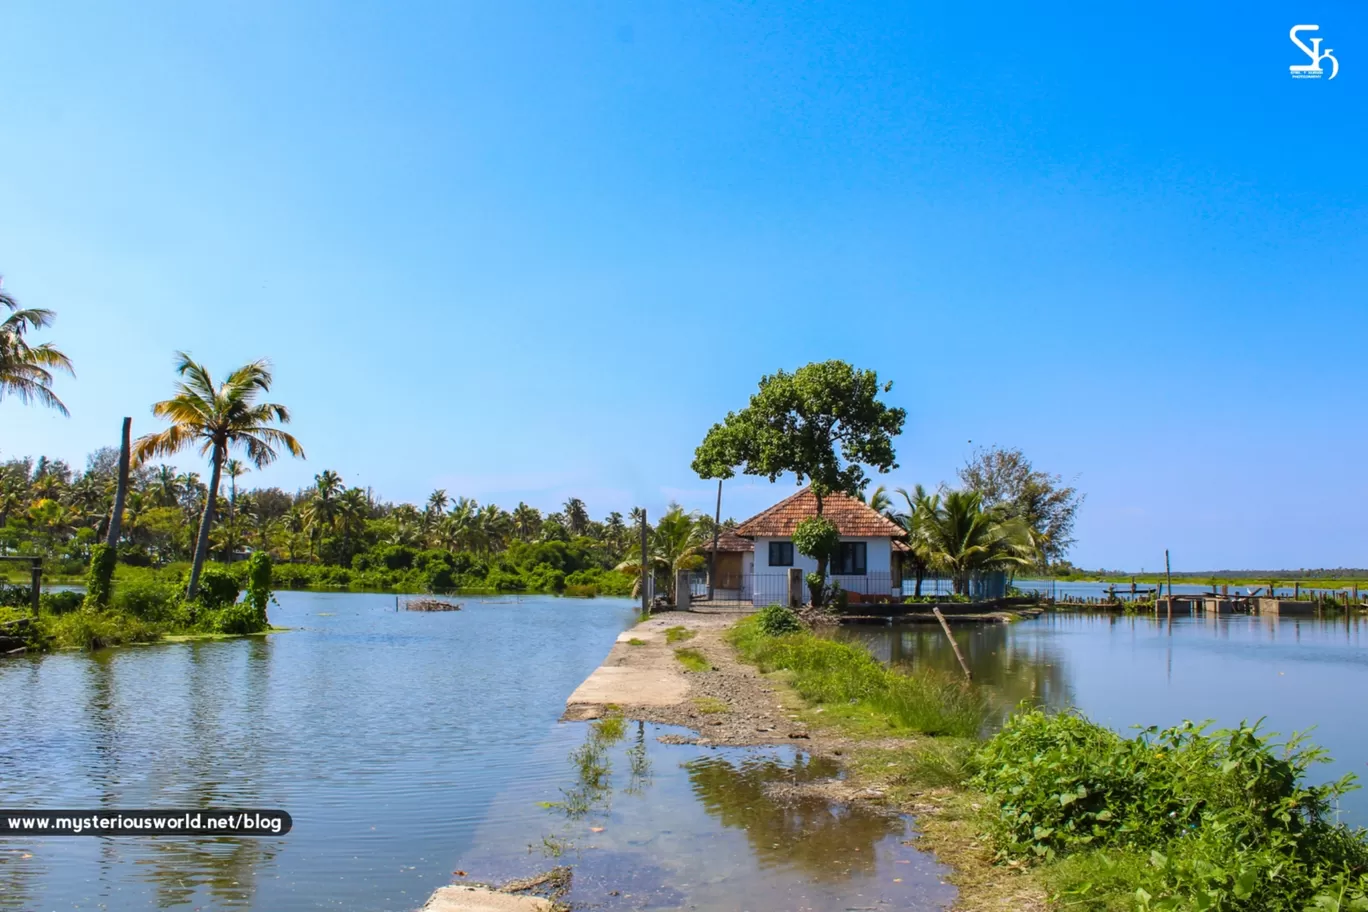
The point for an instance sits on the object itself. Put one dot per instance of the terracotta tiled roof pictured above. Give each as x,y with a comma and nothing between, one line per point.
729,541
851,516
901,547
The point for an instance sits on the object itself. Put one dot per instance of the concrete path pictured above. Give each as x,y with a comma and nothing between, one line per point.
646,674
457,898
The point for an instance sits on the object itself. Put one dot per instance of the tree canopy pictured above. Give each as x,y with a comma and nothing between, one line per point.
824,422
1007,482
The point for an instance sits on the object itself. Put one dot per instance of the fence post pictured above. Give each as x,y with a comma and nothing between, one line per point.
683,589
795,588
36,577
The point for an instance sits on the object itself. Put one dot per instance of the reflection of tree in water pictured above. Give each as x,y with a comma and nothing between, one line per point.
826,841
227,866
1015,669
18,878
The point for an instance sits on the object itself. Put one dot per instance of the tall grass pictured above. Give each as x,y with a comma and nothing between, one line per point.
851,684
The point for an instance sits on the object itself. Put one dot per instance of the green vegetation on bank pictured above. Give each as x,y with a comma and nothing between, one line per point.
1180,819
145,609
852,687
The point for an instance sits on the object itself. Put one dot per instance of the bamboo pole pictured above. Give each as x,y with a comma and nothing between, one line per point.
968,675
1168,574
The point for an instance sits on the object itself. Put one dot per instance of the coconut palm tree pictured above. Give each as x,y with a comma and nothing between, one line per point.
320,510
353,509
166,486
26,370
672,546
880,501
235,469
218,417
962,539
576,516
920,507
527,521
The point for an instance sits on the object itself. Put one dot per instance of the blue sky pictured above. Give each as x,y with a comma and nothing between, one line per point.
521,251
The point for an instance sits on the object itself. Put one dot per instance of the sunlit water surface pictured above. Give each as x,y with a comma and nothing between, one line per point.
1294,673
408,747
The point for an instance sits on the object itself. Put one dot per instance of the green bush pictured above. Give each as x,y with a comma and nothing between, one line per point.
581,590
1172,819
776,620
60,602
259,594
100,580
238,618
217,588
148,600
89,630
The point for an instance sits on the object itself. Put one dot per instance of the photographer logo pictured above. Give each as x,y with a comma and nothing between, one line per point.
1312,70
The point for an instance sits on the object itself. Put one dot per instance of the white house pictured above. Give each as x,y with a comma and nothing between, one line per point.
757,557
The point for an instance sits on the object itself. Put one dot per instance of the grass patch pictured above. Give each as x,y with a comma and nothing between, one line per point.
853,688
679,634
693,660
636,641
709,706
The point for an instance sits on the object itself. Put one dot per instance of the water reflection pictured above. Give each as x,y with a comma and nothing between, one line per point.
828,842
1128,670
1015,670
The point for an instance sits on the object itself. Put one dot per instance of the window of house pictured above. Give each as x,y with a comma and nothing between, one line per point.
849,559
781,554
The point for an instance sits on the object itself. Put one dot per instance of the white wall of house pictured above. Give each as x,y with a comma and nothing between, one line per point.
878,557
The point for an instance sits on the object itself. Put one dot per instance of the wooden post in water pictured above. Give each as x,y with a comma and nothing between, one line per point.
717,531
645,567
968,675
1168,573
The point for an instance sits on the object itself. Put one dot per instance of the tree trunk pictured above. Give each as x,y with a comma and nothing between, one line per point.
921,574
207,520
121,487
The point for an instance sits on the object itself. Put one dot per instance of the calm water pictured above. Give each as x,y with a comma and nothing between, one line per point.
1123,671
408,746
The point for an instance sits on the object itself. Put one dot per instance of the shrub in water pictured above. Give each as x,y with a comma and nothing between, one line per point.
60,602
100,580
217,588
149,600
259,586
776,620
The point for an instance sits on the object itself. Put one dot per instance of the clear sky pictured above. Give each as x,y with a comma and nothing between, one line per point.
524,251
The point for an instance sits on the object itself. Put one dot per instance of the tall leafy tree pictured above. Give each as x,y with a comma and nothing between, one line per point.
218,417
824,422
672,546
1008,482
26,370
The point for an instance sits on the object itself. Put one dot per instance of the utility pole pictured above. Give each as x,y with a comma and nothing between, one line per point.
645,568
717,530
